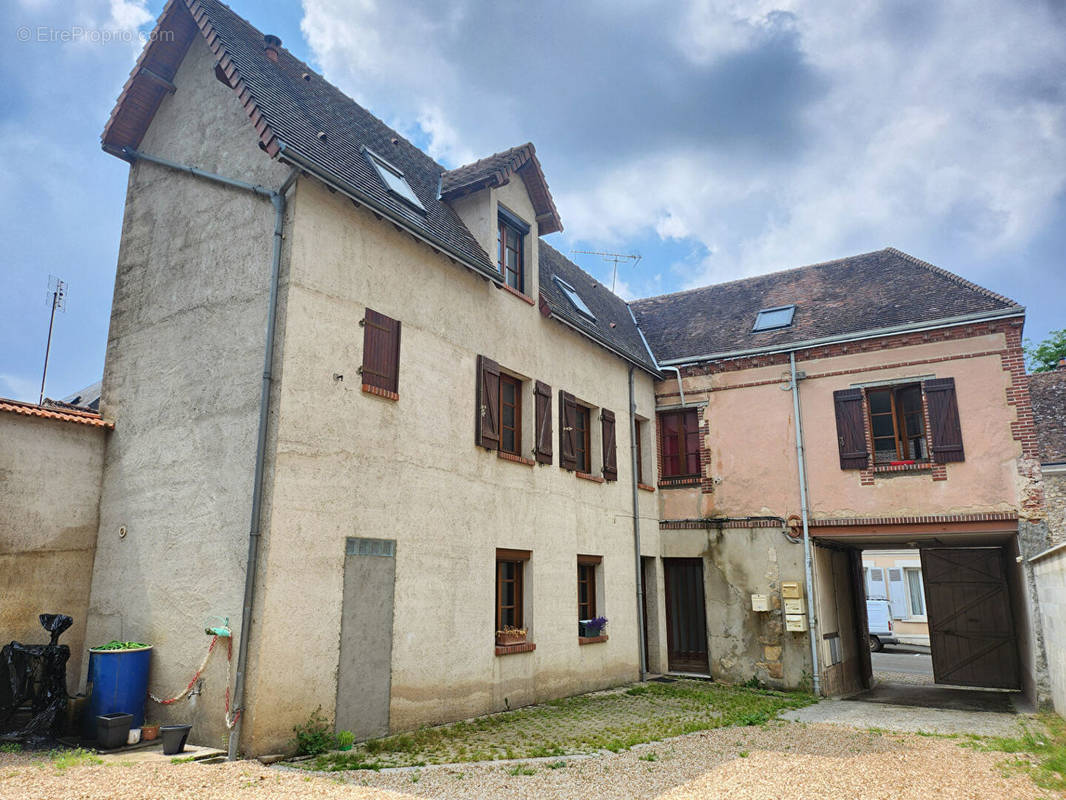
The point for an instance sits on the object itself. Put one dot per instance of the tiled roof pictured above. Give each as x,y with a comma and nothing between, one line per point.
613,326
298,115
496,170
1048,393
65,415
860,293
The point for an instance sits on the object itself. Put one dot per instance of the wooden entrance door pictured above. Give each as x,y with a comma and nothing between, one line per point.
686,615
971,629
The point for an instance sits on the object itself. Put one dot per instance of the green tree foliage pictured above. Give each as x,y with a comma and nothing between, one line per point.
1045,356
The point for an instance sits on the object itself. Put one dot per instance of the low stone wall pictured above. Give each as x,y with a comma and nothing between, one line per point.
1049,568
1055,498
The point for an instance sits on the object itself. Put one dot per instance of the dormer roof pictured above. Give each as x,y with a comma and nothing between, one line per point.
496,170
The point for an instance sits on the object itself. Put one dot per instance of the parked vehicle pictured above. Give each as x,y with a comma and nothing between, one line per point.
879,622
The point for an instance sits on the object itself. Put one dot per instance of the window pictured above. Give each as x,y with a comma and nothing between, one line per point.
916,603
897,423
510,243
583,448
680,443
510,589
586,589
574,298
381,354
393,179
510,414
773,318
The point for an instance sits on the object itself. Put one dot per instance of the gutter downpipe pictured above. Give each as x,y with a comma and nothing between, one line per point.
636,526
654,360
807,563
277,199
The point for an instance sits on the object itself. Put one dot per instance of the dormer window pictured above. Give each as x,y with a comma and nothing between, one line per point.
574,298
510,241
770,319
392,177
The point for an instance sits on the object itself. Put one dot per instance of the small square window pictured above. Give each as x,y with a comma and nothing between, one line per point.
680,435
772,318
393,179
574,298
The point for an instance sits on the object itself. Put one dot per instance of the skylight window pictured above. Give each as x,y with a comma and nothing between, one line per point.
574,298
772,318
393,179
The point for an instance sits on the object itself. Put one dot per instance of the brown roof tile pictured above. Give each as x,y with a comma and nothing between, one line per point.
875,290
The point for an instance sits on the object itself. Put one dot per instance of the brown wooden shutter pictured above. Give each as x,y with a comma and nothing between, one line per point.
610,456
944,420
567,431
381,351
487,430
542,446
851,430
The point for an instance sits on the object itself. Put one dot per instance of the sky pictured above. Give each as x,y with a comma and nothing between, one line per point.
716,139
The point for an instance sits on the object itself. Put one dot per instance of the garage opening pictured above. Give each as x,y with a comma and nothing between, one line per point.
917,618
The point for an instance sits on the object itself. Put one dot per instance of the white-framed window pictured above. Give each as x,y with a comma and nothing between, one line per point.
915,592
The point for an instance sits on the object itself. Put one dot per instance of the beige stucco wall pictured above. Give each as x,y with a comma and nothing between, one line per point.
352,464
1050,574
182,380
49,504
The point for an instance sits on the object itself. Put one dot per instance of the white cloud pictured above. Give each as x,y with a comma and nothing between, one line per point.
19,387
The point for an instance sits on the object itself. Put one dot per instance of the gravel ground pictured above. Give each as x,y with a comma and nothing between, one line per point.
779,760
909,678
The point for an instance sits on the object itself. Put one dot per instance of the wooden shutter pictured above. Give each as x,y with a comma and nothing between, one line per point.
944,420
381,351
610,456
851,431
542,441
567,431
487,430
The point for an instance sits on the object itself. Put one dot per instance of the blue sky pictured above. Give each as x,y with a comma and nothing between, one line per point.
717,139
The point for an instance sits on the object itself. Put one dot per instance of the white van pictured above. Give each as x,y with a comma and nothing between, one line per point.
879,621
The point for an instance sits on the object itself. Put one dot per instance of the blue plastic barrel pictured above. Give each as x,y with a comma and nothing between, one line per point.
118,682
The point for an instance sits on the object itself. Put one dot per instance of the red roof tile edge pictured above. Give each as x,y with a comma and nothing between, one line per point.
34,410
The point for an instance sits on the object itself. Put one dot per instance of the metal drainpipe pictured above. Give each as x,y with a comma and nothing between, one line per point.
636,525
802,463
277,199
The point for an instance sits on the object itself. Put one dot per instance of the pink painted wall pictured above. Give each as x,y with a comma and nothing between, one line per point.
752,440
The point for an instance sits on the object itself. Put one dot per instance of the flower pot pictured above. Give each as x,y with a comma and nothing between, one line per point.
505,638
174,737
112,730
149,732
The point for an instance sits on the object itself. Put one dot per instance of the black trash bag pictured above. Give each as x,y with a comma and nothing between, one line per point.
34,674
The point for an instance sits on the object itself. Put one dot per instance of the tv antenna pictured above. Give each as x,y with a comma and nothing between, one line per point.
612,257
57,296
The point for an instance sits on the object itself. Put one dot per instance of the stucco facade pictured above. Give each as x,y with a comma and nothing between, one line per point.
50,472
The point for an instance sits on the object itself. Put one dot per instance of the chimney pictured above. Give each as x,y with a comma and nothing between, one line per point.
272,45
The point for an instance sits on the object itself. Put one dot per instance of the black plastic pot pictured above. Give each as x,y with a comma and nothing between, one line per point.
112,730
174,737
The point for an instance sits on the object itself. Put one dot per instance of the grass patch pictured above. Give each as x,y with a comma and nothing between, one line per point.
10,747
77,757
521,769
182,759
1042,753
613,720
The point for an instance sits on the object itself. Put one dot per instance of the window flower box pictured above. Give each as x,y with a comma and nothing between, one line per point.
591,627
509,636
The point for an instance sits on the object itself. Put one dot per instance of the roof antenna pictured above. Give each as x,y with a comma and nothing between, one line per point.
612,257
57,296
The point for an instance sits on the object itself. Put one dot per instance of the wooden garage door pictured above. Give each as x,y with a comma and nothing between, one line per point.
686,615
971,629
